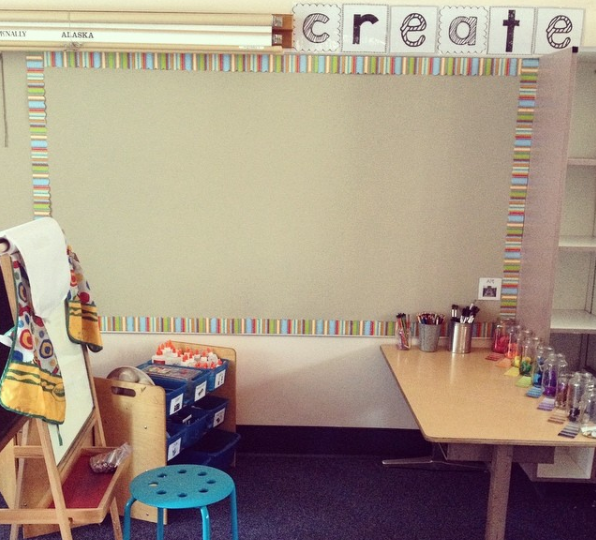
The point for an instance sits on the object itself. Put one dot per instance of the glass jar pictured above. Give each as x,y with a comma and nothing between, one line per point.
500,339
587,380
514,335
562,365
574,395
588,414
549,376
542,353
528,355
561,394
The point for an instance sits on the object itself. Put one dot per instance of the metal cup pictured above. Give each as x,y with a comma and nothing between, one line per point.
461,338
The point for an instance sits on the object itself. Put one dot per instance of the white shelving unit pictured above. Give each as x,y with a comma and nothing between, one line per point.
574,305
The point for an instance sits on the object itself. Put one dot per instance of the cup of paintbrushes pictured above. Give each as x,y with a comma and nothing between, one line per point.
429,331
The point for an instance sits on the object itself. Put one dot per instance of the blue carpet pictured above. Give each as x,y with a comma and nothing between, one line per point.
356,498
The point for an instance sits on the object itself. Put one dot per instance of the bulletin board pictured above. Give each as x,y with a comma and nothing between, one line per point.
281,195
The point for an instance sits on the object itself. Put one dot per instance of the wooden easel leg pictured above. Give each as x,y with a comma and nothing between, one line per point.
115,517
498,497
15,527
55,482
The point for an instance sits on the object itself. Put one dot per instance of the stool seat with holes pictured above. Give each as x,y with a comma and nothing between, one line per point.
182,486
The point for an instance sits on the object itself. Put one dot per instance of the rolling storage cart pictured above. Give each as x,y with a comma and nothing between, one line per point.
166,424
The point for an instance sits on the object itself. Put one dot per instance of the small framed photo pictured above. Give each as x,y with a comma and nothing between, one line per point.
489,289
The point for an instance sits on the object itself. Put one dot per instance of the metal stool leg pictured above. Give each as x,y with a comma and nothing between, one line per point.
127,508
234,514
160,524
206,523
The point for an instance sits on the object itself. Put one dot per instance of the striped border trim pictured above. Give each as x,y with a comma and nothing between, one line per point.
38,134
371,65
247,326
365,65
271,327
519,184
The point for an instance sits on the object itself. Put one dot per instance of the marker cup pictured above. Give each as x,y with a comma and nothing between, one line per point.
429,336
461,338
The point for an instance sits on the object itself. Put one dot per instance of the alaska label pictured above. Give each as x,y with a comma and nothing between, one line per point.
77,35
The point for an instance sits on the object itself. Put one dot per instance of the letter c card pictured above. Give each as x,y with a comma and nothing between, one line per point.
317,27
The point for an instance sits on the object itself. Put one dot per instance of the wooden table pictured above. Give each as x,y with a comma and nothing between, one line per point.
469,403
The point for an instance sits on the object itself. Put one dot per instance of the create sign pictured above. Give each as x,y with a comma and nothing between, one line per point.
426,30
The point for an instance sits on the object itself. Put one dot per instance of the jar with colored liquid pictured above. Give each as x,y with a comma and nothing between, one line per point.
528,355
549,376
500,339
562,390
522,337
514,335
542,353
574,395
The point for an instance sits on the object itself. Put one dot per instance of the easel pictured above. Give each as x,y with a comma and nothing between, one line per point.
68,493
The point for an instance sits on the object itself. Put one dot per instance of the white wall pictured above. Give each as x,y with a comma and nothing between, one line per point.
291,380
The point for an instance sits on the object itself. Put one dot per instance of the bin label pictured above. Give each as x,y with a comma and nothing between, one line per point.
220,378
176,404
201,391
218,417
174,448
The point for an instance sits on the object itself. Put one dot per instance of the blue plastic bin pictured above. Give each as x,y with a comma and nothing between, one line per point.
174,437
191,457
215,449
174,393
217,376
219,446
215,407
196,380
183,434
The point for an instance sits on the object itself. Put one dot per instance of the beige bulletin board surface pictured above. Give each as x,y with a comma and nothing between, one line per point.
281,195
15,143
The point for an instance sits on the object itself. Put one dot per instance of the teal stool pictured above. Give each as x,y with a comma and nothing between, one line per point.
182,486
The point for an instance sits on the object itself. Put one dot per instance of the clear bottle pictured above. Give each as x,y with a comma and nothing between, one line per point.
587,380
500,339
563,378
574,395
562,365
528,355
542,353
562,388
514,333
549,376
588,414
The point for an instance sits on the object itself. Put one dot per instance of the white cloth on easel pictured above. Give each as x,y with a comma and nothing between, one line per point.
42,246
